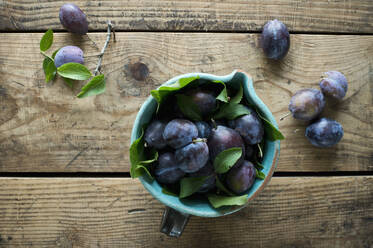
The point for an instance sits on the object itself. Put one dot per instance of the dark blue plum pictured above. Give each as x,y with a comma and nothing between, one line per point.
167,170
192,157
275,40
179,133
68,54
207,170
240,178
154,134
334,84
223,138
204,129
204,100
73,19
250,127
324,132
307,104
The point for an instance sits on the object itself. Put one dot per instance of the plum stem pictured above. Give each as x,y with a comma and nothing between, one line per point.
260,151
282,118
110,28
213,123
199,140
46,55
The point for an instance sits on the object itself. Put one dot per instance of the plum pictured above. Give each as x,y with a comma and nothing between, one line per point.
204,100
167,170
204,129
334,84
207,170
307,104
154,134
73,19
275,40
68,54
250,127
223,138
192,157
179,133
240,178
324,132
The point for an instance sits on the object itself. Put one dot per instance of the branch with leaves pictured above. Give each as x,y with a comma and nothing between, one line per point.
75,71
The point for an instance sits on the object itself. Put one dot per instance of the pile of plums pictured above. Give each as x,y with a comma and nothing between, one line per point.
307,104
188,149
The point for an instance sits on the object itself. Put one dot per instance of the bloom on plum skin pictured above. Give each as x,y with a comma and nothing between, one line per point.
275,40
250,127
306,104
240,178
167,170
334,84
68,54
324,132
192,157
154,134
223,138
73,18
179,133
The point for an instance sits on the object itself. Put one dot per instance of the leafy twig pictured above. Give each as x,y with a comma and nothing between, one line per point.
108,36
46,55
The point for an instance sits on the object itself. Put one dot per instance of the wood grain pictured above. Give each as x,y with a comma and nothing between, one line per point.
353,16
110,212
45,128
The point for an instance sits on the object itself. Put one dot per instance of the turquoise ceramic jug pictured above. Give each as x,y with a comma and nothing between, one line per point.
178,211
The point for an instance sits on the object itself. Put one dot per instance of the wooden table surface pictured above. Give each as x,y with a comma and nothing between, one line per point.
64,165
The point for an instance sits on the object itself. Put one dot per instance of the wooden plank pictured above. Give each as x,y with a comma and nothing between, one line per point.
109,212
353,16
45,128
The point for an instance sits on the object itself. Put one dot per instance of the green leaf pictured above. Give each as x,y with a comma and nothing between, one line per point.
260,174
231,111
218,201
74,71
226,159
68,81
238,97
54,53
190,185
49,69
46,41
154,157
188,107
162,92
222,187
139,170
96,86
168,192
223,96
270,130
139,163
258,165
137,150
